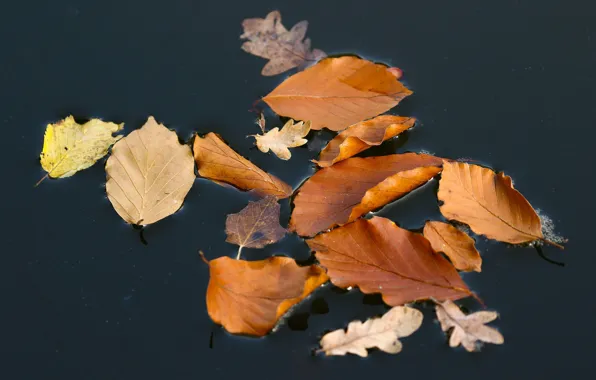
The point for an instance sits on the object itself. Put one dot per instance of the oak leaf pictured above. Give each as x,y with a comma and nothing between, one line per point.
349,189
337,92
268,38
379,257
149,174
278,141
468,330
249,297
456,244
69,147
361,136
256,225
220,163
398,322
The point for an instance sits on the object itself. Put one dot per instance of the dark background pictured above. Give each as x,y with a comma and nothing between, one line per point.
509,83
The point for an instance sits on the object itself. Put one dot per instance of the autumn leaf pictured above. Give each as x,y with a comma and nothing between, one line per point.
256,225
220,163
379,257
361,136
249,297
349,189
337,92
456,244
149,174
268,38
468,330
399,322
69,147
291,136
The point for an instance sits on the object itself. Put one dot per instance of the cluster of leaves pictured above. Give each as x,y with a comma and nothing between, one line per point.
149,173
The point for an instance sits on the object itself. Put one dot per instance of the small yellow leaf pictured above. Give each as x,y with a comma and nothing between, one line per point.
290,136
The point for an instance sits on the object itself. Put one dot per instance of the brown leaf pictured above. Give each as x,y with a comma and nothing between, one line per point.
363,135
400,321
256,225
349,189
337,92
468,330
268,38
379,257
249,297
456,244
222,164
291,136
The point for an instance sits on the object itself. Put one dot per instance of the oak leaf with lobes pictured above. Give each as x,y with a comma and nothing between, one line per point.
456,244
291,136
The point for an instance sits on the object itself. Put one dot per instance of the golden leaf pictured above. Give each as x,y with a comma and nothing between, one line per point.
291,135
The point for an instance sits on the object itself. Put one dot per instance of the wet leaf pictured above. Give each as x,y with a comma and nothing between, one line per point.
286,49
363,135
291,136
349,189
249,297
337,92
456,244
220,163
468,330
149,174
383,333
379,257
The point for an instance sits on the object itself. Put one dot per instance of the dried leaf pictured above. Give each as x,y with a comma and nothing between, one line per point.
349,189
149,174
468,330
456,244
379,257
399,322
361,136
256,225
337,92
268,38
290,136
249,297
69,147
222,164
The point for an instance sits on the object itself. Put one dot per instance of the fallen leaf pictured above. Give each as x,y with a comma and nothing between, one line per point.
69,147
456,244
337,92
349,189
291,136
399,322
256,225
468,330
222,164
149,174
361,136
261,122
268,38
249,297
379,257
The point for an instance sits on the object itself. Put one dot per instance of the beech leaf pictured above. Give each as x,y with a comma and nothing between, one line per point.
456,244
337,92
290,136
398,322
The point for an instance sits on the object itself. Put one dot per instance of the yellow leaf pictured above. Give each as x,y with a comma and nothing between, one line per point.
290,136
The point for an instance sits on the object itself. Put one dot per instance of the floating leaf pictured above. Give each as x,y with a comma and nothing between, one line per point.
291,136
456,244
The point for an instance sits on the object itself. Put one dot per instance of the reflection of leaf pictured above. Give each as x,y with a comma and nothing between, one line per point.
337,92
379,257
349,189
382,332
249,297
468,330
149,174
291,135
222,164
363,135
256,225
456,244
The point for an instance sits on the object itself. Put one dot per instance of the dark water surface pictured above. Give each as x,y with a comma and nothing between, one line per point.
509,83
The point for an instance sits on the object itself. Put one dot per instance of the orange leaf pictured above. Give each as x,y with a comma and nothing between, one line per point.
379,257
363,135
349,189
337,92
222,164
249,297
456,244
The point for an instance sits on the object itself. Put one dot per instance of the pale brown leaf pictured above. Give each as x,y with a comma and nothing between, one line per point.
456,244
278,141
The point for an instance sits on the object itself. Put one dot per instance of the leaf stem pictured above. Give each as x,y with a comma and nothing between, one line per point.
239,252
552,243
203,257
42,179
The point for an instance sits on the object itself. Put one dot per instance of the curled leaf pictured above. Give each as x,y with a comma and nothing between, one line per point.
456,244
291,136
